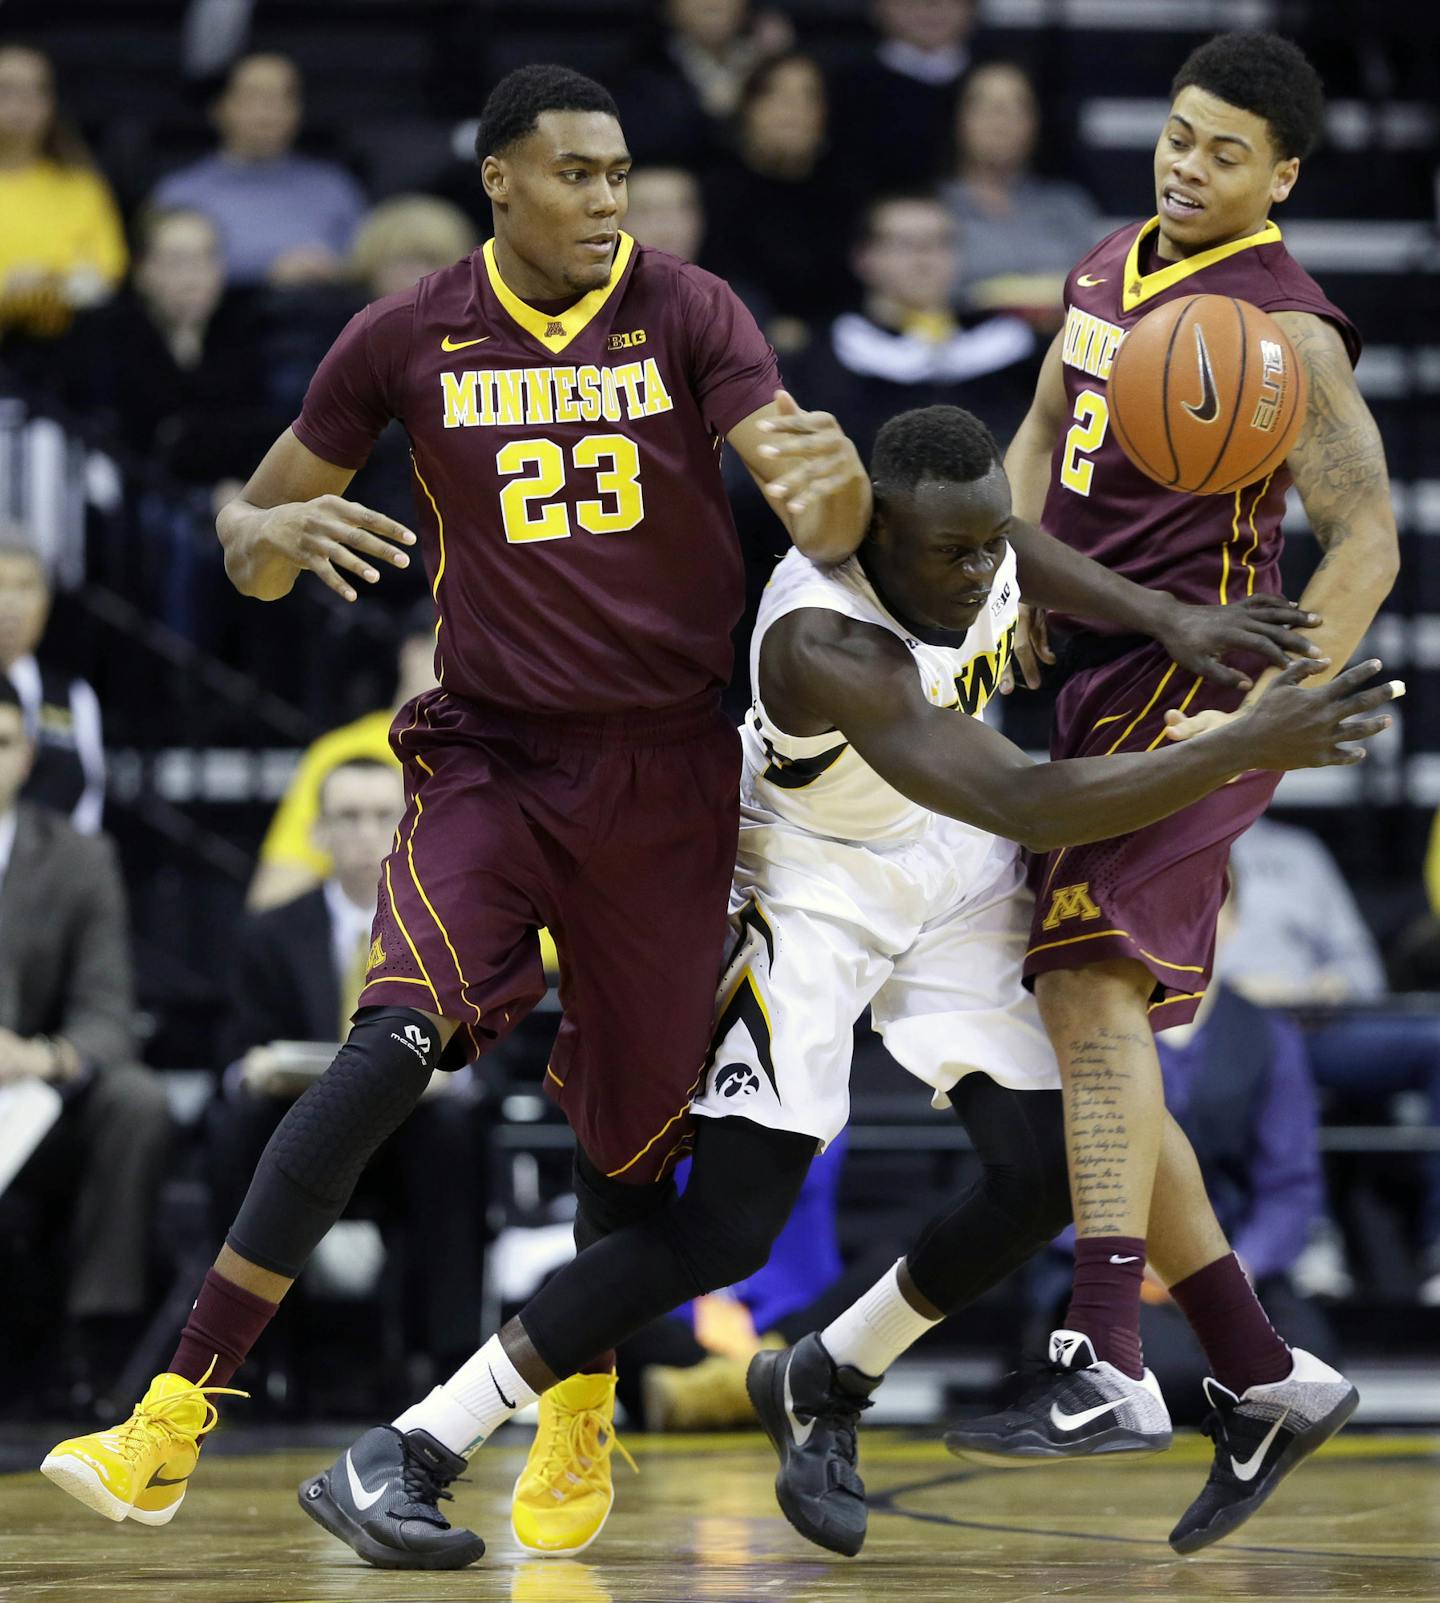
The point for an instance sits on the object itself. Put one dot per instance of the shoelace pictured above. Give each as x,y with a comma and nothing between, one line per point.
579,1447
421,1483
133,1437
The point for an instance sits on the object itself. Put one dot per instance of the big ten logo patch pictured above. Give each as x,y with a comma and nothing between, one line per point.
1070,901
625,342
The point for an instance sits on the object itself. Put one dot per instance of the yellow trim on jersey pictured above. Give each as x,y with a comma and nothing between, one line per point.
1254,536
1140,287
1245,561
439,569
574,319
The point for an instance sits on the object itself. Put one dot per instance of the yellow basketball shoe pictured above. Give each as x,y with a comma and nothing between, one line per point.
563,1496
141,1468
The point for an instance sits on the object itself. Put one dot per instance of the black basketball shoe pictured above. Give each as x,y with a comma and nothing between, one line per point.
382,1497
810,1407
1259,1438
1076,1407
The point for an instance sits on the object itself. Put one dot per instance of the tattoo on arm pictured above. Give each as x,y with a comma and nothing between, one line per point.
1338,461
1098,1119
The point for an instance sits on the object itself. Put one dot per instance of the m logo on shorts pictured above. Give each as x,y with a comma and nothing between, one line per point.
377,955
1070,901
736,1080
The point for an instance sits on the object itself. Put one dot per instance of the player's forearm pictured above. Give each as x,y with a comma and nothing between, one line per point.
252,564
1053,576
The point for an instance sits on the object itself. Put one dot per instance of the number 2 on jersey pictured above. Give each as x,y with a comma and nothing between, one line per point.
619,505
1092,418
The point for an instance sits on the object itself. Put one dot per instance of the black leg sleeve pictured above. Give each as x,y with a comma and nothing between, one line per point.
310,1165
743,1183
1020,1201
603,1205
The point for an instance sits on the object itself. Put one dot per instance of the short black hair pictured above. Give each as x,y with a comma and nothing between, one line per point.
870,211
516,103
944,443
1266,75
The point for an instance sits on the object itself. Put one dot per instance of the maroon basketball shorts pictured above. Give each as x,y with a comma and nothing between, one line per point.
615,832
1152,895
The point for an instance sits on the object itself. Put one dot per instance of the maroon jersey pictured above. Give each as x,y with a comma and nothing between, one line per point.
1202,548
575,530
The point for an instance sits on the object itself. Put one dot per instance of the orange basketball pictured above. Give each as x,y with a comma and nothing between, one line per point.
1206,394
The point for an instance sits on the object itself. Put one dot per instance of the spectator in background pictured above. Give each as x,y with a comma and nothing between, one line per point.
284,219
666,211
65,771
404,238
677,101
899,98
1300,940
1019,234
1238,1083
298,974
292,859
89,1188
777,212
195,419
905,347
61,243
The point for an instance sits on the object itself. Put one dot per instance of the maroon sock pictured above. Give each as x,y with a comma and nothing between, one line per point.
600,1364
1105,1299
1231,1326
223,1326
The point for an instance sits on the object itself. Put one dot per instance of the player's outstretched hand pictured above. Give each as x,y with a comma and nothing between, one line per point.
1032,647
1198,637
811,455
1294,726
331,537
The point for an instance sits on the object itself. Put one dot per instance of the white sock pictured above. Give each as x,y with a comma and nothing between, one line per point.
472,1405
876,1328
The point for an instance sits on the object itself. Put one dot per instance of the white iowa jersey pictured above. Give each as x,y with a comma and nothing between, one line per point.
817,782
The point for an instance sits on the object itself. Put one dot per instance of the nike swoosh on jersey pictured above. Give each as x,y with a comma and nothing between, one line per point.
1209,408
800,1432
1251,1467
1063,1421
363,1499
447,344
1086,282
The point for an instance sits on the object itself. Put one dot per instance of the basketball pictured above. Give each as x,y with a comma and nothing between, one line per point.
1206,394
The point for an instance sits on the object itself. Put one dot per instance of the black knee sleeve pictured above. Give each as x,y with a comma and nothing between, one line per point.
308,1169
1020,1200
603,1205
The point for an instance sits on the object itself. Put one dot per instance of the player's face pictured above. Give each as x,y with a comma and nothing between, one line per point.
560,198
938,549
1217,174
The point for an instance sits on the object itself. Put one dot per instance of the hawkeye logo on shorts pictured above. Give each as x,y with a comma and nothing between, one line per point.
1070,901
625,342
736,1080
377,955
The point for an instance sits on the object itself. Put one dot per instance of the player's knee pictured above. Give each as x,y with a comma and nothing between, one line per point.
603,1205
726,1240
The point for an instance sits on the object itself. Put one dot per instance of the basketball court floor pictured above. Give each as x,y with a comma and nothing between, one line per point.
699,1522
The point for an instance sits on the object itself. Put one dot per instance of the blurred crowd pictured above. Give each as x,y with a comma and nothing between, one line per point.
898,206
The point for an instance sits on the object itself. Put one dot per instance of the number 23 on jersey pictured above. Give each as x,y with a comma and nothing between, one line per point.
539,471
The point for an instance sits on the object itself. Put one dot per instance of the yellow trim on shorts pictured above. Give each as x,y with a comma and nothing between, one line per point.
614,1174
1180,996
550,1074
1059,858
1097,935
1139,716
414,951
1199,680
1254,535
429,905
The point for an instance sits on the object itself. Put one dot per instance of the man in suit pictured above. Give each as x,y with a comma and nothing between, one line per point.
299,970
65,1019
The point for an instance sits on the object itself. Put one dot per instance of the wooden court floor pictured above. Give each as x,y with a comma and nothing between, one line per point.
1361,1521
